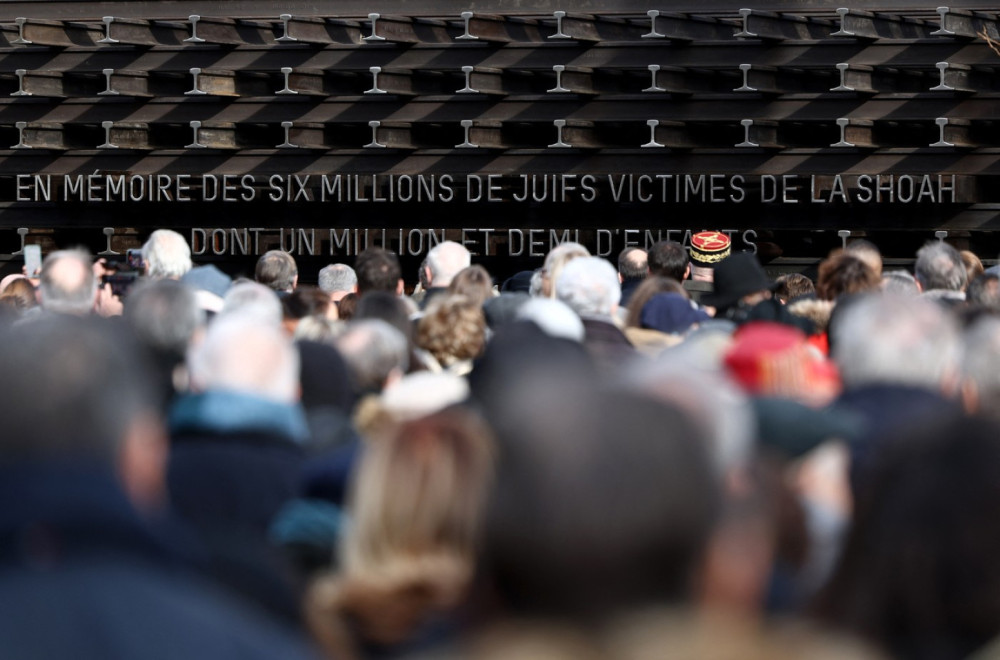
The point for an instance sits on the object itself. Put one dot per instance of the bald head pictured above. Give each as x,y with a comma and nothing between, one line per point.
67,284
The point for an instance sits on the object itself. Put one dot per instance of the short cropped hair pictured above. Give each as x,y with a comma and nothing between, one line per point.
166,255
337,277
377,270
445,260
276,270
668,259
633,263
373,350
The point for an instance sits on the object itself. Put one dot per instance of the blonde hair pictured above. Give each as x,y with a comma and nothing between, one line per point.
452,329
417,508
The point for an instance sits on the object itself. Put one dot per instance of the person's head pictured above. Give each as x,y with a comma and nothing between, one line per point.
444,261
164,314
276,270
652,285
843,274
973,265
899,283
884,339
918,572
452,329
338,280
241,354
378,269
20,294
868,252
474,283
981,367
554,317
939,266
377,353
632,264
417,506
255,299
575,456
166,255
555,261
590,286
386,307
669,259
67,284
793,285
984,291
78,390
303,302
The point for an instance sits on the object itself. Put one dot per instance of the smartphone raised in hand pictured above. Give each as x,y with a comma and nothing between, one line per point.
32,260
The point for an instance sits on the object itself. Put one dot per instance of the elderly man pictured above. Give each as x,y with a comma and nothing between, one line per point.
83,573
377,353
338,280
443,263
276,270
236,452
166,255
68,284
589,285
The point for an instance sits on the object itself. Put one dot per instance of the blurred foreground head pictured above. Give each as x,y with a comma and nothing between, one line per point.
603,504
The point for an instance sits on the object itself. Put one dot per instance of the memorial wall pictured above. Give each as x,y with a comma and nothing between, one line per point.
508,126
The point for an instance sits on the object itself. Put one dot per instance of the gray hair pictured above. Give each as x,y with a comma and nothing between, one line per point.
899,282
555,261
940,266
166,255
554,317
445,260
276,269
589,285
256,299
68,284
164,314
374,350
241,354
337,277
895,340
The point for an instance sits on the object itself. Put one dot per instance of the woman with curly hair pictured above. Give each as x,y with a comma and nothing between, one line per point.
453,331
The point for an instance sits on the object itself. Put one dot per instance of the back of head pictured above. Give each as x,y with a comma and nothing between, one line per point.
474,283
899,283
453,329
604,502
918,572
166,255
305,301
67,284
793,285
554,317
276,270
555,261
241,354
20,293
164,314
71,389
253,299
633,263
868,252
668,259
377,270
984,291
386,307
653,285
939,266
337,277
445,260
885,339
843,274
375,351
589,285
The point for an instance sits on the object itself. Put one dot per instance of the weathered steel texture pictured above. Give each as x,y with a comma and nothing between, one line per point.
509,90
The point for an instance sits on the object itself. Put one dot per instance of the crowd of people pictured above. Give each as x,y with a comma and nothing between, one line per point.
674,457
